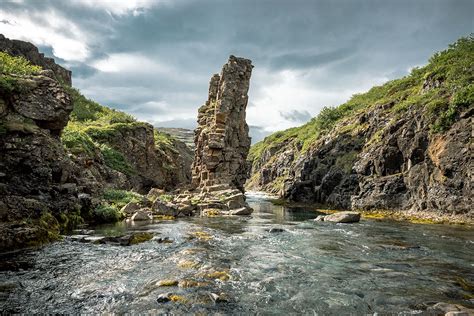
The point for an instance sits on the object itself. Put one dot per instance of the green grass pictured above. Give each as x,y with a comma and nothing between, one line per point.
120,197
106,213
112,202
16,65
10,67
454,67
116,160
78,142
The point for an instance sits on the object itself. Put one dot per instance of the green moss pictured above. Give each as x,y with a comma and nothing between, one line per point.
465,284
116,160
106,213
69,221
138,238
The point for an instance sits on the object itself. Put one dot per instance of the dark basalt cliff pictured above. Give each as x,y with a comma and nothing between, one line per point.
406,145
39,184
54,166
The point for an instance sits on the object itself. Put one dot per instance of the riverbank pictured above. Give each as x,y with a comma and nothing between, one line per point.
417,217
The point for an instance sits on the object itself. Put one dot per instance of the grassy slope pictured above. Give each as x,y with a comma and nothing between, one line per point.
90,126
454,67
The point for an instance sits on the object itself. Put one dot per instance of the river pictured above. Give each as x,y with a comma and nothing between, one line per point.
277,261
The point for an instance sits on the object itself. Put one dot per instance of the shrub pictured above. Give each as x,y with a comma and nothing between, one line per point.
16,65
10,65
77,142
106,213
120,197
115,160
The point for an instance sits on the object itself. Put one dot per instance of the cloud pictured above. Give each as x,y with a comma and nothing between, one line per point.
130,62
46,28
154,59
134,7
296,116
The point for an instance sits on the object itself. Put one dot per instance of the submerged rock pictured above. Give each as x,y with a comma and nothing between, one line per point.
168,283
219,298
274,230
126,240
343,217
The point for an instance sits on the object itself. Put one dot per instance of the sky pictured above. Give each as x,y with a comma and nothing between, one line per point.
154,58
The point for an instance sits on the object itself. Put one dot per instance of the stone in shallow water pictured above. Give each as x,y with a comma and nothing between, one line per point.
449,309
130,208
219,298
320,218
127,240
343,217
143,214
164,240
241,211
164,298
274,230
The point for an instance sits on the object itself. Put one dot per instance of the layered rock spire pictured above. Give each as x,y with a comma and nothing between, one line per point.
221,138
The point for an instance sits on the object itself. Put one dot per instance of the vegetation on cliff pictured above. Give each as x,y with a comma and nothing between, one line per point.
422,87
372,142
10,68
95,130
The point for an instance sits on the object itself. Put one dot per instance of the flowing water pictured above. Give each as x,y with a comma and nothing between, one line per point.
278,261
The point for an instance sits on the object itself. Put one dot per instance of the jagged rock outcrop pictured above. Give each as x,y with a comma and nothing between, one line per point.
405,146
48,183
222,143
38,182
402,166
150,165
31,53
221,138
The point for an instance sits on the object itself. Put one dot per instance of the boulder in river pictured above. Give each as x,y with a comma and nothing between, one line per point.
343,217
130,208
143,214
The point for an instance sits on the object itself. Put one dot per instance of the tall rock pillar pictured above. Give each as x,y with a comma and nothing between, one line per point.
222,136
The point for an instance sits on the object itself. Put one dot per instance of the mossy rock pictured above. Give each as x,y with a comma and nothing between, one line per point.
138,238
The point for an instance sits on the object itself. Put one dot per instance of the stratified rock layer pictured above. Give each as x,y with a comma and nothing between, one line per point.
221,138
38,181
222,144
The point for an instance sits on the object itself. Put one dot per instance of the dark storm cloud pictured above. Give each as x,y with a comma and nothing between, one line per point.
303,60
296,116
331,48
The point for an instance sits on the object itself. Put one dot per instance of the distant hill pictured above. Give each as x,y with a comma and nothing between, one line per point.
182,134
